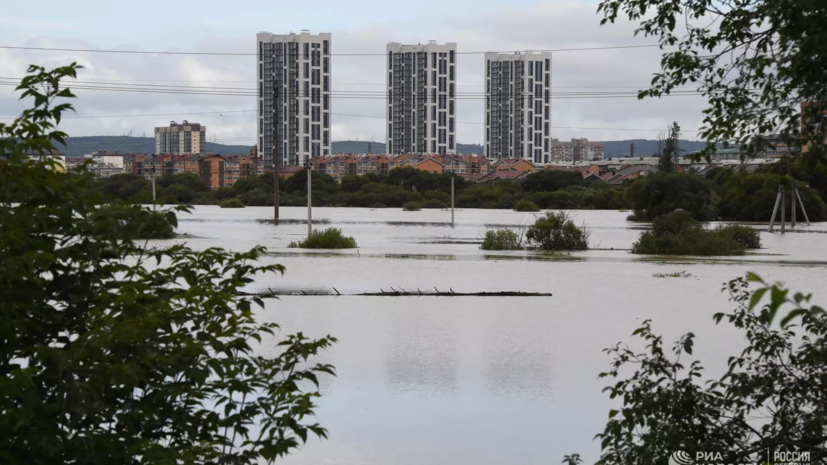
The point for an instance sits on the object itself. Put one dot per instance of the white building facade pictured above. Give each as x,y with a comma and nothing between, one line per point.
294,80
518,106
578,150
181,138
421,83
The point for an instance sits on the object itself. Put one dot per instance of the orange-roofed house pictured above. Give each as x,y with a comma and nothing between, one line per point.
513,164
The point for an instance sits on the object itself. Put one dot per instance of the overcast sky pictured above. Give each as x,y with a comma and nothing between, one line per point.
358,26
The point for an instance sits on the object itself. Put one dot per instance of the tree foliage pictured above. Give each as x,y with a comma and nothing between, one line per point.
668,151
555,231
756,61
678,233
656,195
113,352
771,399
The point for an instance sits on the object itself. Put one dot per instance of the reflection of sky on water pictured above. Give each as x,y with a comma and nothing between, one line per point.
430,380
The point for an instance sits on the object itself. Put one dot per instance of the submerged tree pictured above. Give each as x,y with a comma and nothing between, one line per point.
118,353
668,149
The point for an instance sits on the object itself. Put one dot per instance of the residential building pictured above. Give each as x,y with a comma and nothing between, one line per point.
518,106
421,98
295,70
181,138
238,167
578,150
513,164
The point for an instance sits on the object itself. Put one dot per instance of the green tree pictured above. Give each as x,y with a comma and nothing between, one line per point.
771,399
658,194
668,149
115,352
751,197
552,180
755,61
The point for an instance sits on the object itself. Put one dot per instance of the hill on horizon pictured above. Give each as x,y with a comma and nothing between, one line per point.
79,146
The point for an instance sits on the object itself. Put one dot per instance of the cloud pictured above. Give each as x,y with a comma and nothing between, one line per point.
543,26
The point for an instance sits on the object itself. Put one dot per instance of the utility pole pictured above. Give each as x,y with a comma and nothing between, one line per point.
452,199
309,199
275,151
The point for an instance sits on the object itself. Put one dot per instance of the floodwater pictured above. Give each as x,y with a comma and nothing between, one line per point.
497,380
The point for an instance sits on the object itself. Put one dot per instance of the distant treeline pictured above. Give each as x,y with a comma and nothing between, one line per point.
721,194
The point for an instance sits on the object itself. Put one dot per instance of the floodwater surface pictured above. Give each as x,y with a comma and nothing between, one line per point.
496,380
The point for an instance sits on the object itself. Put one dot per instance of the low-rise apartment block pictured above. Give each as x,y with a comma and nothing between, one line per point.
578,150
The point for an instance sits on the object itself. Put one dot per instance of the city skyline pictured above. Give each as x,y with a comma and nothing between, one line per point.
578,76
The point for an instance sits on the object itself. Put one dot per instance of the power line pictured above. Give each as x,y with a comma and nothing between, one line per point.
145,52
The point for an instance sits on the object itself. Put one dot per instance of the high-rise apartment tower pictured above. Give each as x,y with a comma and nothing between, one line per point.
518,106
421,98
181,138
295,70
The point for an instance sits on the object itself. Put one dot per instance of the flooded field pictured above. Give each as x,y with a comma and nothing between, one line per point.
437,380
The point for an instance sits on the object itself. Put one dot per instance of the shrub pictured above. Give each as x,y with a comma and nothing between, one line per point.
231,203
411,207
526,206
751,197
378,205
434,204
134,222
502,239
330,238
679,234
744,235
556,231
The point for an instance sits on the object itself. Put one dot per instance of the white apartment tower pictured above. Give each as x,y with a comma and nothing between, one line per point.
295,69
421,98
518,106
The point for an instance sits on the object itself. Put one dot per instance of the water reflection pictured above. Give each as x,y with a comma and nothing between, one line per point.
422,355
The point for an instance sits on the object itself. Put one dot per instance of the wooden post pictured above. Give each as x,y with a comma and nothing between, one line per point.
775,209
783,212
452,199
309,200
153,188
803,210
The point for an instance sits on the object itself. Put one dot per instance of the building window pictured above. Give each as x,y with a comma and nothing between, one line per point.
306,107
451,107
306,51
326,120
433,59
451,141
306,125
326,138
451,57
306,70
324,100
326,47
324,67
451,124
530,67
548,64
433,112
306,141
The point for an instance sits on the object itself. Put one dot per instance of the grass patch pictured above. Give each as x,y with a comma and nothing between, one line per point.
502,239
678,233
330,238
525,205
556,231
231,203
411,207
677,274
